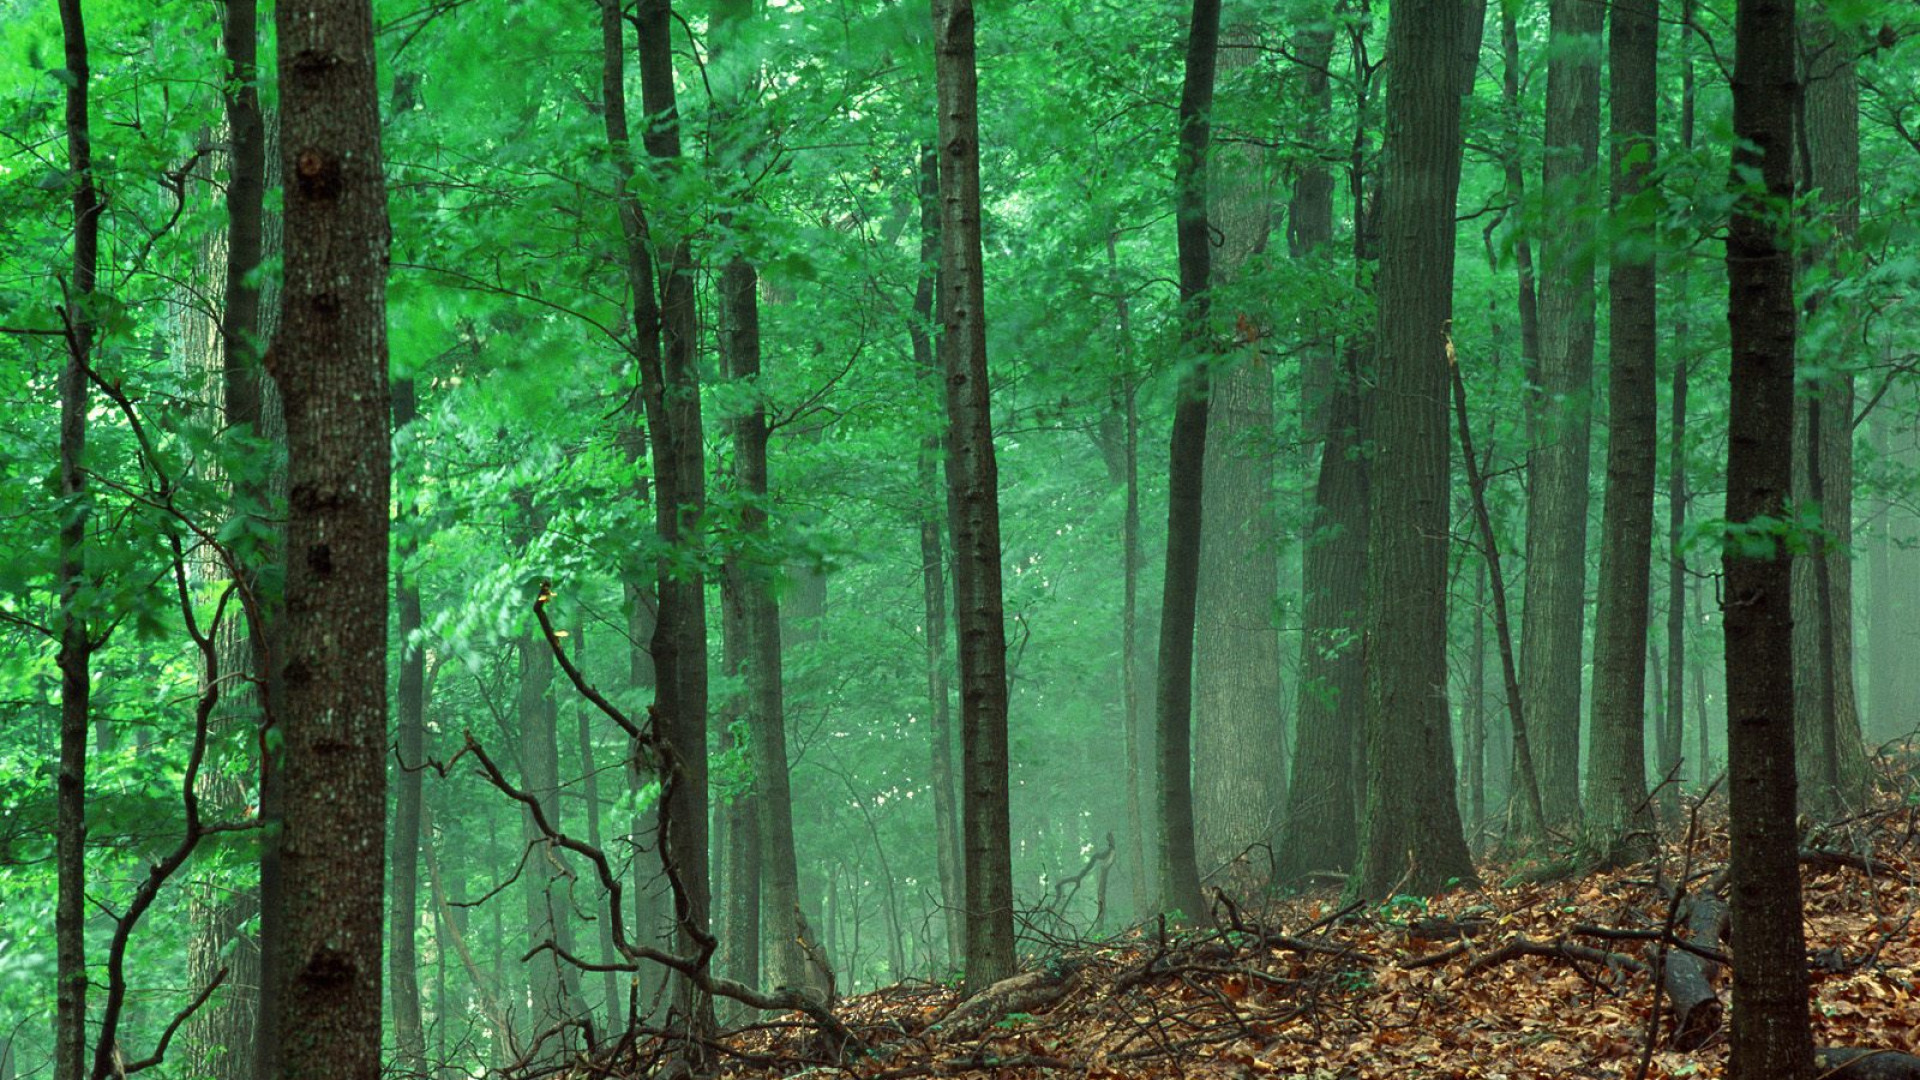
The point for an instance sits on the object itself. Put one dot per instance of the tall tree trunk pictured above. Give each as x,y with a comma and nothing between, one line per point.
1323,800
973,507
1619,818
739,835
1679,493
1770,1035
1238,718
663,346
1410,811
1833,764
76,644
933,575
330,361
409,1030
1179,875
1557,463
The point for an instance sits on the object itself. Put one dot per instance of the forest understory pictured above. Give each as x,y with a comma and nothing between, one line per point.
1538,972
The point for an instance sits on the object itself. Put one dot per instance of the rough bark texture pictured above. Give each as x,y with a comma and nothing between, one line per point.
1238,721
973,506
1179,877
1834,775
1557,466
330,361
1618,814
75,657
1410,834
1323,824
933,575
1770,1035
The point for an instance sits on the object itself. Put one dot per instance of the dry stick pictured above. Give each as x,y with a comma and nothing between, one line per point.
1477,485
1667,936
696,967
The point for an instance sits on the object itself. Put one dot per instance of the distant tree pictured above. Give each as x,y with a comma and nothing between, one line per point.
330,361
1179,874
1410,833
1618,814
973,507
1770,1038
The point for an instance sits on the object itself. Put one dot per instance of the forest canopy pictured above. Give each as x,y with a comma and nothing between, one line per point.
534,527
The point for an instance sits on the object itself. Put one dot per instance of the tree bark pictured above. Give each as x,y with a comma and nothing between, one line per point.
1410,810
1770,1037
1557,463
1834,774
1179,874
663,345
1619,817
75,656
1323,800
330,361
933,575
409,1029
1238,720
973,507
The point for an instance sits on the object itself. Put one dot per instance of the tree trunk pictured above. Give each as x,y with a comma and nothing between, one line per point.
76,644
1179,875
1619,818
1834,775
933,576
973,507
663,346
1238,719
1557,464
409,1031
1770,1036
1323,800
330,361
1410,811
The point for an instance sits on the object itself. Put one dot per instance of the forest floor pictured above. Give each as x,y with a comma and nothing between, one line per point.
1516,978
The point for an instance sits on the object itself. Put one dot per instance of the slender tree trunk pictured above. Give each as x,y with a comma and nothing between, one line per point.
663,347
1557,465
1238,718
1770,1034
1411,829
1619,818
1679,493
403,961
330,361
933,575
76,644
1179,874
973,507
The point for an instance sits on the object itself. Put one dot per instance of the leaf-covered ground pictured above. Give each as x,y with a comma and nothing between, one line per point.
1511,979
